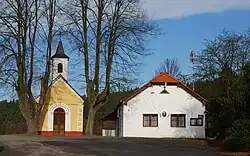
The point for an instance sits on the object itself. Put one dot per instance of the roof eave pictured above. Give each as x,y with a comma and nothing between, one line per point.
57,56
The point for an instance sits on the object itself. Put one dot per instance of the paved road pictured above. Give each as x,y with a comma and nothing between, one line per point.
97,146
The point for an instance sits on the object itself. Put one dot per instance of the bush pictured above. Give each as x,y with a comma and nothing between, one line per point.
211,132
239,136
11,119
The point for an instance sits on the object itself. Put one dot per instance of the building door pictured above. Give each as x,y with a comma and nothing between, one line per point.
59,122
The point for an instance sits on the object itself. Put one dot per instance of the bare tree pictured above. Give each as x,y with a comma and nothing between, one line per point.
170,66
24,26
228,49
111,35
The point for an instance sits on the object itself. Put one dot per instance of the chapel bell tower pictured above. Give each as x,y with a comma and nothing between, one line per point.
60,62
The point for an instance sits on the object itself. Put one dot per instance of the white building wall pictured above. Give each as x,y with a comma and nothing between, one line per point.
55,63
150,101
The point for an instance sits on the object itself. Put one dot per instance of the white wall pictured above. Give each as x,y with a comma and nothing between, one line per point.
55,63
150,101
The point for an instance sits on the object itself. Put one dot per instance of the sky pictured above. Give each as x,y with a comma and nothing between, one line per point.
187,23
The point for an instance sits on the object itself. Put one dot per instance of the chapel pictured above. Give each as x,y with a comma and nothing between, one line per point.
63,112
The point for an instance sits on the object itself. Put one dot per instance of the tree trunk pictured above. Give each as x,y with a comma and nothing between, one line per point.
90,121
33,123
32,126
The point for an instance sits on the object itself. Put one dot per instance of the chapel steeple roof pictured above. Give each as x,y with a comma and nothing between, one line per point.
60,52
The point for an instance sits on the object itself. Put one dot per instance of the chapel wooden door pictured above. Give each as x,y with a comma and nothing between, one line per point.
59,122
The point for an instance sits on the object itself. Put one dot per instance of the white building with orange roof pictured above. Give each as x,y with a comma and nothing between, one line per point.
164,107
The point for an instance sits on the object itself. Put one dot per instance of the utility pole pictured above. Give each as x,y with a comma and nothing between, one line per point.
192,61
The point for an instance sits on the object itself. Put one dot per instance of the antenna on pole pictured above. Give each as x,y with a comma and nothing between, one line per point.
192,61
192,56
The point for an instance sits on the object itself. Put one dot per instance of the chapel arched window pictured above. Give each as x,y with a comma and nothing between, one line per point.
60,68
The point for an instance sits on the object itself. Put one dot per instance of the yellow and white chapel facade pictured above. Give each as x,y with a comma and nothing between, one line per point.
63,112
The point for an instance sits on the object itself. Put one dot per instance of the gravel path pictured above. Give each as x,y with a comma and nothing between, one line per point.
29,146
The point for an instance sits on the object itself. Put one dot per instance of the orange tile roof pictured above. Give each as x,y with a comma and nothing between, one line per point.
161,78
164,77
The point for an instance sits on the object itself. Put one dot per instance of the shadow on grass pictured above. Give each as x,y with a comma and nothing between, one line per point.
222,150
1,148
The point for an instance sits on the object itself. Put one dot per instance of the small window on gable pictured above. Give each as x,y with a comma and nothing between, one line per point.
60,68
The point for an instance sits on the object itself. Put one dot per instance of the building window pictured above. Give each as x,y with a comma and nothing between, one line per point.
178,120
150,120
60,68
196,121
